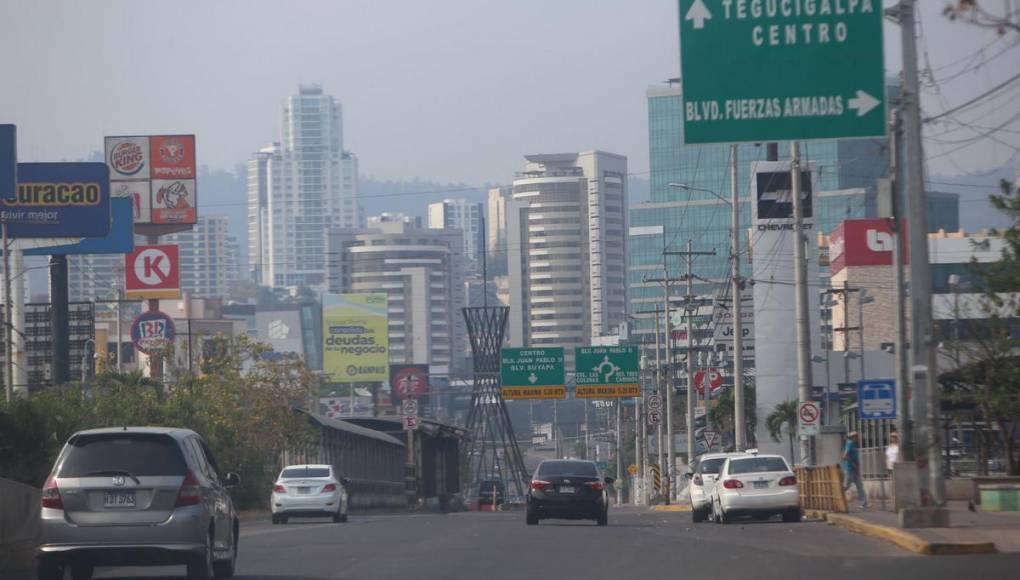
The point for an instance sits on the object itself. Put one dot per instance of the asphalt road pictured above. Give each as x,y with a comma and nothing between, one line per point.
638,544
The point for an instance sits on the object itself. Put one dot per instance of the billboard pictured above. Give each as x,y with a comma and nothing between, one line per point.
409,381
280,329
120,240
59,200
863,243
355,338
158,174
775,194
153,271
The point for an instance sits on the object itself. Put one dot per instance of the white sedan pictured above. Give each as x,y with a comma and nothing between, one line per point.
703,477
756,485
309,491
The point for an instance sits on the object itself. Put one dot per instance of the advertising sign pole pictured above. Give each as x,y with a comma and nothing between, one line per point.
8,325
155,360
59,319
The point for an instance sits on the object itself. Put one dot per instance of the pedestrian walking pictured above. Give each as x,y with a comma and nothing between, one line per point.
892,451
852,468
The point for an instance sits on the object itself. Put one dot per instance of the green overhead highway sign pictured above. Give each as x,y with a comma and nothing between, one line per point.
781,70
607,371
533,373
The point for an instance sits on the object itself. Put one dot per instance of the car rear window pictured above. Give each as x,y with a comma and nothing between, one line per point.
128,453
711,466
565,468
758,465
300,472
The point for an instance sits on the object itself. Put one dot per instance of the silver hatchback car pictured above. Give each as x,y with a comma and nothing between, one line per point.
137,496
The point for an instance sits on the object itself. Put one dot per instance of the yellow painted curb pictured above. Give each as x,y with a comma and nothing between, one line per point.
907,540
671,508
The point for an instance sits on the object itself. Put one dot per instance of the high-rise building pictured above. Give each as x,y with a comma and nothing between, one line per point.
298,189
210,257
463,215
495,229
421,272
92,277
567,226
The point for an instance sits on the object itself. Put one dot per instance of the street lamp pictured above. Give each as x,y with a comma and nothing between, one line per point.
687,187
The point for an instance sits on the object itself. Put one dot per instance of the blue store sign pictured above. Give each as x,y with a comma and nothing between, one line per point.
59,200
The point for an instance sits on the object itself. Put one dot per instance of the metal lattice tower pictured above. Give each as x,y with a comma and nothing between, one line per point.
491,451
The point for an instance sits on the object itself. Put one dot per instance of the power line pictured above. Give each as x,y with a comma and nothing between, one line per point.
976,99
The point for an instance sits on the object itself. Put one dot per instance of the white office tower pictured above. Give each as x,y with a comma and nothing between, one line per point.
298,189
465,216
94,277
421,272
566,240
210,257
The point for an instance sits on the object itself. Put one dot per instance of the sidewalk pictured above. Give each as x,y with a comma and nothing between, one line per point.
969,532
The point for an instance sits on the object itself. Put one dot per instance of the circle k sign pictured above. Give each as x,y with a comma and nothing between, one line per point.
153,272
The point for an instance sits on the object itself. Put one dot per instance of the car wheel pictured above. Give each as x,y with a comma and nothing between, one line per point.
337,518
226,568
276,519
284,519
81,572
603,520
343,518
531,518
201,565
49,571
792,516
698,515
724,518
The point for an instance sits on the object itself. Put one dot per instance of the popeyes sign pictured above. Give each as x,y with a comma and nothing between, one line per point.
863,243
158,174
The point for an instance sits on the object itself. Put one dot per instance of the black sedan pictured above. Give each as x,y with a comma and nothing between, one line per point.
570,490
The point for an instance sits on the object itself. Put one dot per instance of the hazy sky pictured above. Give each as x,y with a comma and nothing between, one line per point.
448,90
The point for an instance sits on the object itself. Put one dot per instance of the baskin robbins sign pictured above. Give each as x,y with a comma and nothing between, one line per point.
158,173
59,200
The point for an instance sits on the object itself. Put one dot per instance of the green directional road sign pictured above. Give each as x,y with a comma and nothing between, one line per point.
607,371
533,373
781,70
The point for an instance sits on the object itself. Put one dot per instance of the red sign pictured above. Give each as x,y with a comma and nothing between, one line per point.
153,272
172,157
409,381
712,376
862,243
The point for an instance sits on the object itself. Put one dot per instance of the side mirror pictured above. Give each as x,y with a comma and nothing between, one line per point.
232,480
609,481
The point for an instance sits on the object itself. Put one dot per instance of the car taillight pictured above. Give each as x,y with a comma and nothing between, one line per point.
51,495
596,485
329,487
539,485
697,479
279,489
190,493
788,480
732,484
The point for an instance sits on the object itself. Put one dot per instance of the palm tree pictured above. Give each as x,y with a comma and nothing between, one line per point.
783,414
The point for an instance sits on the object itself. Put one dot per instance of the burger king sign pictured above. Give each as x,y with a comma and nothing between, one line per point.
128,157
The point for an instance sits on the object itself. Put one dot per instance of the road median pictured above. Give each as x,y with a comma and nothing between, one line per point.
907,540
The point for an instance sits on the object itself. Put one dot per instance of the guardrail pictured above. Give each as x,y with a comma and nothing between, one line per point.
821,488
373,494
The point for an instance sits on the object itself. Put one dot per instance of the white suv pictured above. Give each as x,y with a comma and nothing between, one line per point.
703,477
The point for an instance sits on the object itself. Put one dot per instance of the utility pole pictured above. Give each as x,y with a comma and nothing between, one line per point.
802,319
689,253
658,387
739,423
922,339
903,423
8,323
619,451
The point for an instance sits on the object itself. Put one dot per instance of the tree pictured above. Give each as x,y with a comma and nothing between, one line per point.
972,12
783,414
723,414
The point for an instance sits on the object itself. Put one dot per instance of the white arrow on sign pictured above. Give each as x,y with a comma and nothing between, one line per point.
863,103
698,13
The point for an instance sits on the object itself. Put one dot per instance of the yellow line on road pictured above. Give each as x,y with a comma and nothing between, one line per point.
681,507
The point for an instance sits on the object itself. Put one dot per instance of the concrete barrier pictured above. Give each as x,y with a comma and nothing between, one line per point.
19,525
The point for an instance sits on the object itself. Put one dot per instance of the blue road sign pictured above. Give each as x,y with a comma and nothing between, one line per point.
120,240
876,399
60,200
8,161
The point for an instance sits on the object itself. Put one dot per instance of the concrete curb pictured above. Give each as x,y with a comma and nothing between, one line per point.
907,540
671,508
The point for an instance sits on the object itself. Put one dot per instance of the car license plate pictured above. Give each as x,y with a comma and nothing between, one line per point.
304,490
119,499
761,484
567,489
